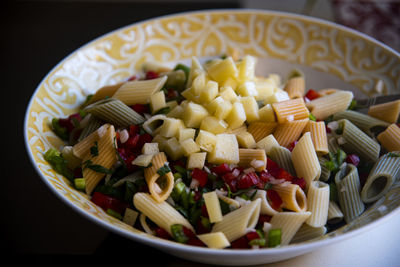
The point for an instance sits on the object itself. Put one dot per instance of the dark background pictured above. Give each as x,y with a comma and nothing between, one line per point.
35,36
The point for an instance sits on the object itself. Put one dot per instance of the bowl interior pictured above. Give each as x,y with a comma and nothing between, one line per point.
330,56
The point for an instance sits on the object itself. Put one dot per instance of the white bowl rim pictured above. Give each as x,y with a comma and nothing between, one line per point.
158,242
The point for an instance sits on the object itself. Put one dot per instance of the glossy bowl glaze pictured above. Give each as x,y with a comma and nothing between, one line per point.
330,56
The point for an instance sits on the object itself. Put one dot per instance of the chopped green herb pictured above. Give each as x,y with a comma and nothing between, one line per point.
163,170
267,186
95,167
59,164
274,237
353,105
58,130
94,150
183,67
340,156
312,117
224,207
393,154
178,234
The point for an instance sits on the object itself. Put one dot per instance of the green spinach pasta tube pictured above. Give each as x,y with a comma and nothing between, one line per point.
382,176
366,123
92,125
325,172
353,140
348,189
115,111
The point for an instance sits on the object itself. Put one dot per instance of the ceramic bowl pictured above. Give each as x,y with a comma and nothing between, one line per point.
330,56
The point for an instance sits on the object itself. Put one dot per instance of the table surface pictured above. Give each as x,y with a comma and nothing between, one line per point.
37,225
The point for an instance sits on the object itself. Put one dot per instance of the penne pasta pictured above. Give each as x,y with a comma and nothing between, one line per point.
239,222
388,112
255,158
353,140
81,149
305,160
335,215
318,203
289,223
213,207
348,188
325,172
267,143
162,214
139,92
295,87
390,138
92,125
292,195
283,157
215,240
318,136
288,132
290,110
259,130
115,112
104,92
265,208
330,104
94,164
382,176
306,233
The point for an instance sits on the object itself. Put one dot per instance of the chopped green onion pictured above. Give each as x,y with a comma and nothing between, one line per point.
114,214
205,222
353,105
177,176
59,164
178,233
331,165
80,183
258,242
58,130
224,207
393,154
340,156
183,67
312,117
163,170
339,129
274,237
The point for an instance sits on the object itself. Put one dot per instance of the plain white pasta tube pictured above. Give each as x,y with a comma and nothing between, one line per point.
335,215
305,160
323,107
215,240
162,214
239,222
292,195
307,232
289,223
266,208
318,203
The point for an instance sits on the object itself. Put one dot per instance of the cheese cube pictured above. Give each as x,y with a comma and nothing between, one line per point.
150,148
198,83
237,116
226,150
171,104
190,94
213,125
173,148
222,70
228,93
189,146
223,109
186,133
209,92
265,88
160,140
142,160
175,112
213,105
267,113
246,140
250,108
230,82
246,68
193,114
277,97
247,89
171,127
196,160
157,101
206,140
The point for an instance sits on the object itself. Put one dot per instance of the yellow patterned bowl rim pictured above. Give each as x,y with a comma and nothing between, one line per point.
352,56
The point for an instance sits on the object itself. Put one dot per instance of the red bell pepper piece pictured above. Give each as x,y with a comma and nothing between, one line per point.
312,94
160,232
151,75
283,174
221,169
300,182
272,167
240,243
274,199
248,180
140,108
201,176
107,202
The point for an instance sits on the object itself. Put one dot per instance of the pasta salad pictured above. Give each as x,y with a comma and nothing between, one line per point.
213,155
